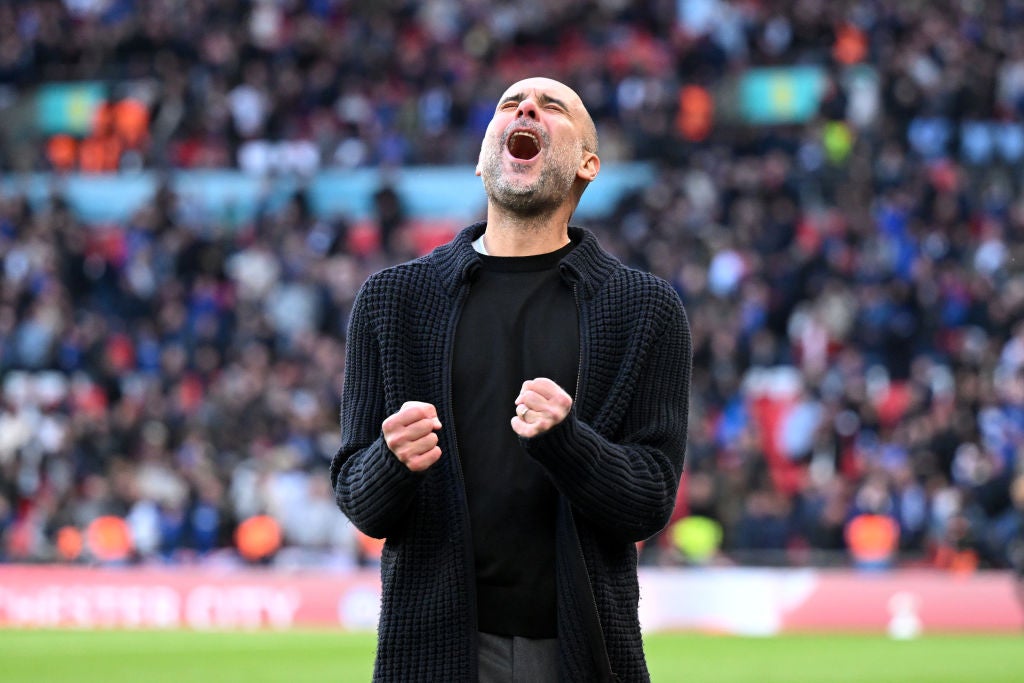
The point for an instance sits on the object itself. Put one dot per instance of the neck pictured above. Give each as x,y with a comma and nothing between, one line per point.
515,235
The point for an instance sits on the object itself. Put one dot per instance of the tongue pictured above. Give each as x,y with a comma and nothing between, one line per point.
523,147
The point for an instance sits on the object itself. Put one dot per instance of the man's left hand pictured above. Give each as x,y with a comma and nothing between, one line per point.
541,405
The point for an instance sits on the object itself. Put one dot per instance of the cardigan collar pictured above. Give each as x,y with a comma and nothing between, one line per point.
587,266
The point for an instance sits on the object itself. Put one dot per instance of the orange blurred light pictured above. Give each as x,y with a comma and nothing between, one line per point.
258,537
109,539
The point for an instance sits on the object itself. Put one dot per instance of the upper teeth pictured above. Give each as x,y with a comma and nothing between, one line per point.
529,135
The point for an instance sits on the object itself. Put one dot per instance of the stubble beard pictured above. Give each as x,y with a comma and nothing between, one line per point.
529,199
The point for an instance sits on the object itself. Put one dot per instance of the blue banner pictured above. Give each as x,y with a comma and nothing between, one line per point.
781,94
68,107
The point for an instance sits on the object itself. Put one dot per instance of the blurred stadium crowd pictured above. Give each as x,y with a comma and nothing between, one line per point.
853,280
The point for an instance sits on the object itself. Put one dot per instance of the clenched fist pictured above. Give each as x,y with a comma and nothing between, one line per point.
410,434
541,405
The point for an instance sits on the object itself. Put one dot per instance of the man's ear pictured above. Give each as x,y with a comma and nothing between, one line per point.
589,167
478,168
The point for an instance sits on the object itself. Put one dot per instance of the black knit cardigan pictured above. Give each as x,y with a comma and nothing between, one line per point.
616,459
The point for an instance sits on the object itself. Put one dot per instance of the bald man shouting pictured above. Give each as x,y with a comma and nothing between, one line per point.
513,422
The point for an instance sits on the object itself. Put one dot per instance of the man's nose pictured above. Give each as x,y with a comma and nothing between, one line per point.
527,108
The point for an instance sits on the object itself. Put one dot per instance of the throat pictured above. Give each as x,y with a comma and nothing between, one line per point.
517,236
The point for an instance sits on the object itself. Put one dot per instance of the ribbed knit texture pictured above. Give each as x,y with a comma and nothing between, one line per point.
617,458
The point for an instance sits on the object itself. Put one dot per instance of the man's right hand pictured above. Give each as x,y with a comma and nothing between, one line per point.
410,434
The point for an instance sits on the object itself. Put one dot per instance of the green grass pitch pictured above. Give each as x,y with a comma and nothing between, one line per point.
319,656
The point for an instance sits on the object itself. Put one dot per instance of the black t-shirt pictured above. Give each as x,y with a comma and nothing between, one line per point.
519,322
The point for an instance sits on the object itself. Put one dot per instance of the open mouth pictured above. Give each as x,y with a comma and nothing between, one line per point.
523,145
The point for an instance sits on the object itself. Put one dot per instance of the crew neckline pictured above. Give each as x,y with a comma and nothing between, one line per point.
526,263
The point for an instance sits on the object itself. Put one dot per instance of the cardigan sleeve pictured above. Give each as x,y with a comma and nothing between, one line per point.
628,487
371,485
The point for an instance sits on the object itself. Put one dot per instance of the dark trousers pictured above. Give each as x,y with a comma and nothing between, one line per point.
511,659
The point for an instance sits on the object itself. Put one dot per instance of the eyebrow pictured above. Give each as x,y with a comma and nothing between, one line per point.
542,98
